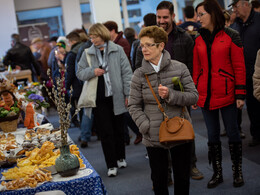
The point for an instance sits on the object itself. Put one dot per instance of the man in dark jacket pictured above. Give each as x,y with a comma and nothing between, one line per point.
21,57
70,78
180,46
248,25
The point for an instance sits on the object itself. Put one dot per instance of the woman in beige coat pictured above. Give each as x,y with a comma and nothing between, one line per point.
256,77
160,69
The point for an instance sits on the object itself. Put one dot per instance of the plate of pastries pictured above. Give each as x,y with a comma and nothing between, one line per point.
9,149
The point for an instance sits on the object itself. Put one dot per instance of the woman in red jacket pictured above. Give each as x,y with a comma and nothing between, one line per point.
219,75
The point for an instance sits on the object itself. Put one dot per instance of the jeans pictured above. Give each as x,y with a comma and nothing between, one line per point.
229,116
158,159
85,127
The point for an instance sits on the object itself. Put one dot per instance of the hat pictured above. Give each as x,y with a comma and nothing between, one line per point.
61,44
235,2
35,40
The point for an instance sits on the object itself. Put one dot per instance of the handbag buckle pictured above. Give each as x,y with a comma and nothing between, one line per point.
165,115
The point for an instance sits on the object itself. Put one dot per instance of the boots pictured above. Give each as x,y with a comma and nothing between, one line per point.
215,156
236,157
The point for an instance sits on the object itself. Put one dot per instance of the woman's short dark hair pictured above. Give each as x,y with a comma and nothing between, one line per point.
157,33
213,8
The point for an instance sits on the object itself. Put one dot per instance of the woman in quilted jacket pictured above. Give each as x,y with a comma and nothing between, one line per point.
256,77
160,69
219,75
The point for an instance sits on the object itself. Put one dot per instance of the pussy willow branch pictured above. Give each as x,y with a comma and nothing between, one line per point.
63,109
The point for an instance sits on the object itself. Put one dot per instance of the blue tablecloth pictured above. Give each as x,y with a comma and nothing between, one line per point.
91,184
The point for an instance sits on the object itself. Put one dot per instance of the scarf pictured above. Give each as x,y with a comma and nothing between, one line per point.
103,63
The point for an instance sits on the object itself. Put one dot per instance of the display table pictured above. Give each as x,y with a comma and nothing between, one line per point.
86,181
17,75
90,184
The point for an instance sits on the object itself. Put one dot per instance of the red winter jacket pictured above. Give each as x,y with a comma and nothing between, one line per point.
219,68
120,40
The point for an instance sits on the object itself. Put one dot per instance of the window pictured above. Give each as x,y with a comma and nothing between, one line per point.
134,13
131,2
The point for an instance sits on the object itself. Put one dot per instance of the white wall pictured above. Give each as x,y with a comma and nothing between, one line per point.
8,24
104,10
71,14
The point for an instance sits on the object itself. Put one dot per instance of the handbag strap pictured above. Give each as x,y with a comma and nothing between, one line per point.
159,104
88,57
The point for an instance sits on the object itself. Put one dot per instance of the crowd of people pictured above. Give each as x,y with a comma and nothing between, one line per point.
216,55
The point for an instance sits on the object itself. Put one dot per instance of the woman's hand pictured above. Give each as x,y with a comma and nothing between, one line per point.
98,72
163,91
240,104
61,65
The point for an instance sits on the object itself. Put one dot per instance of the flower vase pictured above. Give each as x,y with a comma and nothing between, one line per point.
67,164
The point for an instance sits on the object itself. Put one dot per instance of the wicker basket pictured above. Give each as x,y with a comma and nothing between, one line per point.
9,124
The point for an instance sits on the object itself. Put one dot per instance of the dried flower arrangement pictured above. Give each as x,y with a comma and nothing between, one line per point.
58,90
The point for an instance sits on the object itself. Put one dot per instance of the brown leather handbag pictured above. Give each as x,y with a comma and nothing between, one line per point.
174,129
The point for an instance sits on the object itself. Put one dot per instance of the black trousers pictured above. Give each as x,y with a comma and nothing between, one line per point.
158,159
130,123
253,110
193,149
111,131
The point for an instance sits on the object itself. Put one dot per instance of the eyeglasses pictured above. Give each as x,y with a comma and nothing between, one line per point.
93,37
201,14
148,45
235,6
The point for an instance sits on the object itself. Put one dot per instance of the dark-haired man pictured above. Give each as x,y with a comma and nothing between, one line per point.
247,24
117,37
180,46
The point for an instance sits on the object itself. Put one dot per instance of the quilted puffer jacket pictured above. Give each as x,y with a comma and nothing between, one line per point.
142,105
256,77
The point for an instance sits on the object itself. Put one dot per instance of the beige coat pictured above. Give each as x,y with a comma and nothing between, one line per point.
256,77
142,105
